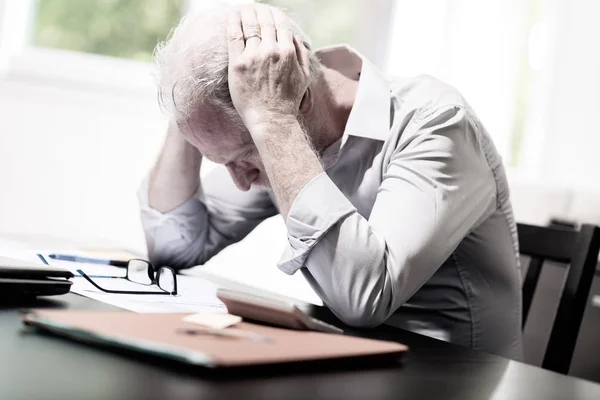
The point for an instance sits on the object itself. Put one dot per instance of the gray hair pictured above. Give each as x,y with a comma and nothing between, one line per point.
193,62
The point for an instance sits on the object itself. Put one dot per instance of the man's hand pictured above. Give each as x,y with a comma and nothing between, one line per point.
268,77
268,67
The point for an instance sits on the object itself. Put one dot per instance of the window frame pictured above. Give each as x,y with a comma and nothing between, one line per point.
21,61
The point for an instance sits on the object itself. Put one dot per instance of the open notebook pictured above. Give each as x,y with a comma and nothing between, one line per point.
167,335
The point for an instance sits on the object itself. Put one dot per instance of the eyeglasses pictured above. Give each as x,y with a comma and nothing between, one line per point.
144,273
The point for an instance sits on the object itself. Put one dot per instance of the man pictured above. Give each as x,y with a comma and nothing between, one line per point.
394,197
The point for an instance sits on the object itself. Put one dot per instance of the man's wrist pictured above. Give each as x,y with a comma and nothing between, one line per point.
288,157
268,124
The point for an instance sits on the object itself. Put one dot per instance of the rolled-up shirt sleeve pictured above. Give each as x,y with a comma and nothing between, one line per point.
217,215
436,188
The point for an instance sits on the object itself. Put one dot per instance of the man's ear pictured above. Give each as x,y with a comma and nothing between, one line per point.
307,102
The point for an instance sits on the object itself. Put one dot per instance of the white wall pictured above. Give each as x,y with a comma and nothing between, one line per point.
573,133
71,159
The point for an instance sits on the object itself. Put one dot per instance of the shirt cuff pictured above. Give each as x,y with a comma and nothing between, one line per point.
316,209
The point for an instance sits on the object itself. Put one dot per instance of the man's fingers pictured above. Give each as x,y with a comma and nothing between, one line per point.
250,27
302,53
285,35
267,25
235,36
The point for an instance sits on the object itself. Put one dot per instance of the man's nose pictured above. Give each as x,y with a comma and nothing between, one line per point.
243,177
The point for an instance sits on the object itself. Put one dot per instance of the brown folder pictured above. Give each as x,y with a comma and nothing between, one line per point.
167,335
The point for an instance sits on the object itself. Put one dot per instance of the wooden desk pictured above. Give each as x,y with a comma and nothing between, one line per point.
37,366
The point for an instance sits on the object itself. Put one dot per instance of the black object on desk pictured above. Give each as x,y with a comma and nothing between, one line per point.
431,370
19,279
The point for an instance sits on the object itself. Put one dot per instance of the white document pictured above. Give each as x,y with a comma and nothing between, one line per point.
193,295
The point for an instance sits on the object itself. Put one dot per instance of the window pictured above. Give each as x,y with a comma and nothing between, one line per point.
531,79
119,28
325,22
493,52
107,44
132,28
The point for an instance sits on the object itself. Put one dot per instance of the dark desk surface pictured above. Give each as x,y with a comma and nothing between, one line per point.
34,366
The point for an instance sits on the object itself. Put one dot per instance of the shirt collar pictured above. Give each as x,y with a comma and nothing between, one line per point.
370,114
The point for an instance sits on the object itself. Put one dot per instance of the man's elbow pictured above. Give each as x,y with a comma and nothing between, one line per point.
368,302
367,316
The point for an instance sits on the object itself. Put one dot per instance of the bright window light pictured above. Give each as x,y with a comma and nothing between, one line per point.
539,45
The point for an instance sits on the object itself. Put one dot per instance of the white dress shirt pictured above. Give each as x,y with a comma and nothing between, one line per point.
411,224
